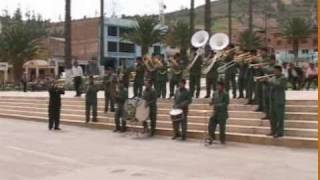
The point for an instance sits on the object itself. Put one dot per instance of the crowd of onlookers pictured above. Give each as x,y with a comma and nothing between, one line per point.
301,76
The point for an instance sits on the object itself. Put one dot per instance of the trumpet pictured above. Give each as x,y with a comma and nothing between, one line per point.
259,64
258,78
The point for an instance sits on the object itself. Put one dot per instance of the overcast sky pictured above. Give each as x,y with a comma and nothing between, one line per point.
54,9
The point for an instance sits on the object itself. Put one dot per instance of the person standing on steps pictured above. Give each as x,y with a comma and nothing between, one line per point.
139,77
77,74
54,105
150,96
220,102
109,86
120,97
195,75
24,81
162,79
91,100
182,99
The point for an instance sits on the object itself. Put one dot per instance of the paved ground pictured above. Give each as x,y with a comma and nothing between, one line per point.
28,151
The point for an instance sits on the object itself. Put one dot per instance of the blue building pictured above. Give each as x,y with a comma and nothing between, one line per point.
119,51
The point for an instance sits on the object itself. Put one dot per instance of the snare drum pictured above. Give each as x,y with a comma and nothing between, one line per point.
176,115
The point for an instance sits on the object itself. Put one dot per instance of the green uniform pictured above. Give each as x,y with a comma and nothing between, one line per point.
120,99
91,102
109,86
220,102
182,99
162,79
150,96
138,80
278,85
195,77
176,76
230,75
54,106
242,80
266,92
259,90
212,78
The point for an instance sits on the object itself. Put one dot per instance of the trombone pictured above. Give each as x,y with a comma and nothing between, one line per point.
258,78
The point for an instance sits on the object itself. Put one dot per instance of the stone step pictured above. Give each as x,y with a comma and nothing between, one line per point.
195,101
297,142
192,125
197,113
231,120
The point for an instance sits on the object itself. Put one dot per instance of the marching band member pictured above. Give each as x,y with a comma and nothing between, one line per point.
150,96
176,73
109,86
220,102
278,85
250,77
92,68
230,73
162,79
242,79
54,105
77,74
120,97
139,77
195,75
91,100
182,99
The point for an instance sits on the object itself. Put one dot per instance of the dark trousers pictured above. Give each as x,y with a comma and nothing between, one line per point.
108,101
312,80
183,124
277,119
210,84
120,114
230,78
54,116
241,85
153,120
295,83
259,96
250,90
194,81
213,122
266,100
137,89
162,89
77,85
173,84
91,106
25,86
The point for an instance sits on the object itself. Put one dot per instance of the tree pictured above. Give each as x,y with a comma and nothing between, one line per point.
192,17
67,36
178,37
207,16
19,40
101,31
230,19
146,33
249,40
250,25
296,29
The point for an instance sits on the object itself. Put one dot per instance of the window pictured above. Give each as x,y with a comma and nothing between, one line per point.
315,50
127,48
279,42
315,41
305,51
112,47
156,50
291,52
112,31
124,31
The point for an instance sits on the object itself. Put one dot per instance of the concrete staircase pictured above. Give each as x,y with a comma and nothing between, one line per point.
243,125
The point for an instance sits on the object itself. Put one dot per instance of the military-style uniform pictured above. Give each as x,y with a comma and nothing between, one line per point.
278,85
91,102
162,79
259,89
125,78
220,102
195,77
242,80
138,80
150,96
120,99
109,86
212,78
176,76
230,75
182,99
54,106
250,88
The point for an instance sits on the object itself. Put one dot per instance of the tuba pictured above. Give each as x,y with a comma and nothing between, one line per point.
198,40
217,42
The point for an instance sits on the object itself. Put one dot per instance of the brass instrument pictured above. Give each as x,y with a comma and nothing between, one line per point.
61,83
258,78
152,63
198,40
174,66
259,64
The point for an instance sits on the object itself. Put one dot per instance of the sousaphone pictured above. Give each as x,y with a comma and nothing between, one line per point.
217,42
198,40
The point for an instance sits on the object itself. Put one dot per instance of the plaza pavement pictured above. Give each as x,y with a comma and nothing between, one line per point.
30,152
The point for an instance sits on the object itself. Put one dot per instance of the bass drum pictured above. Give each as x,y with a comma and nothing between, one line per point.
142,111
